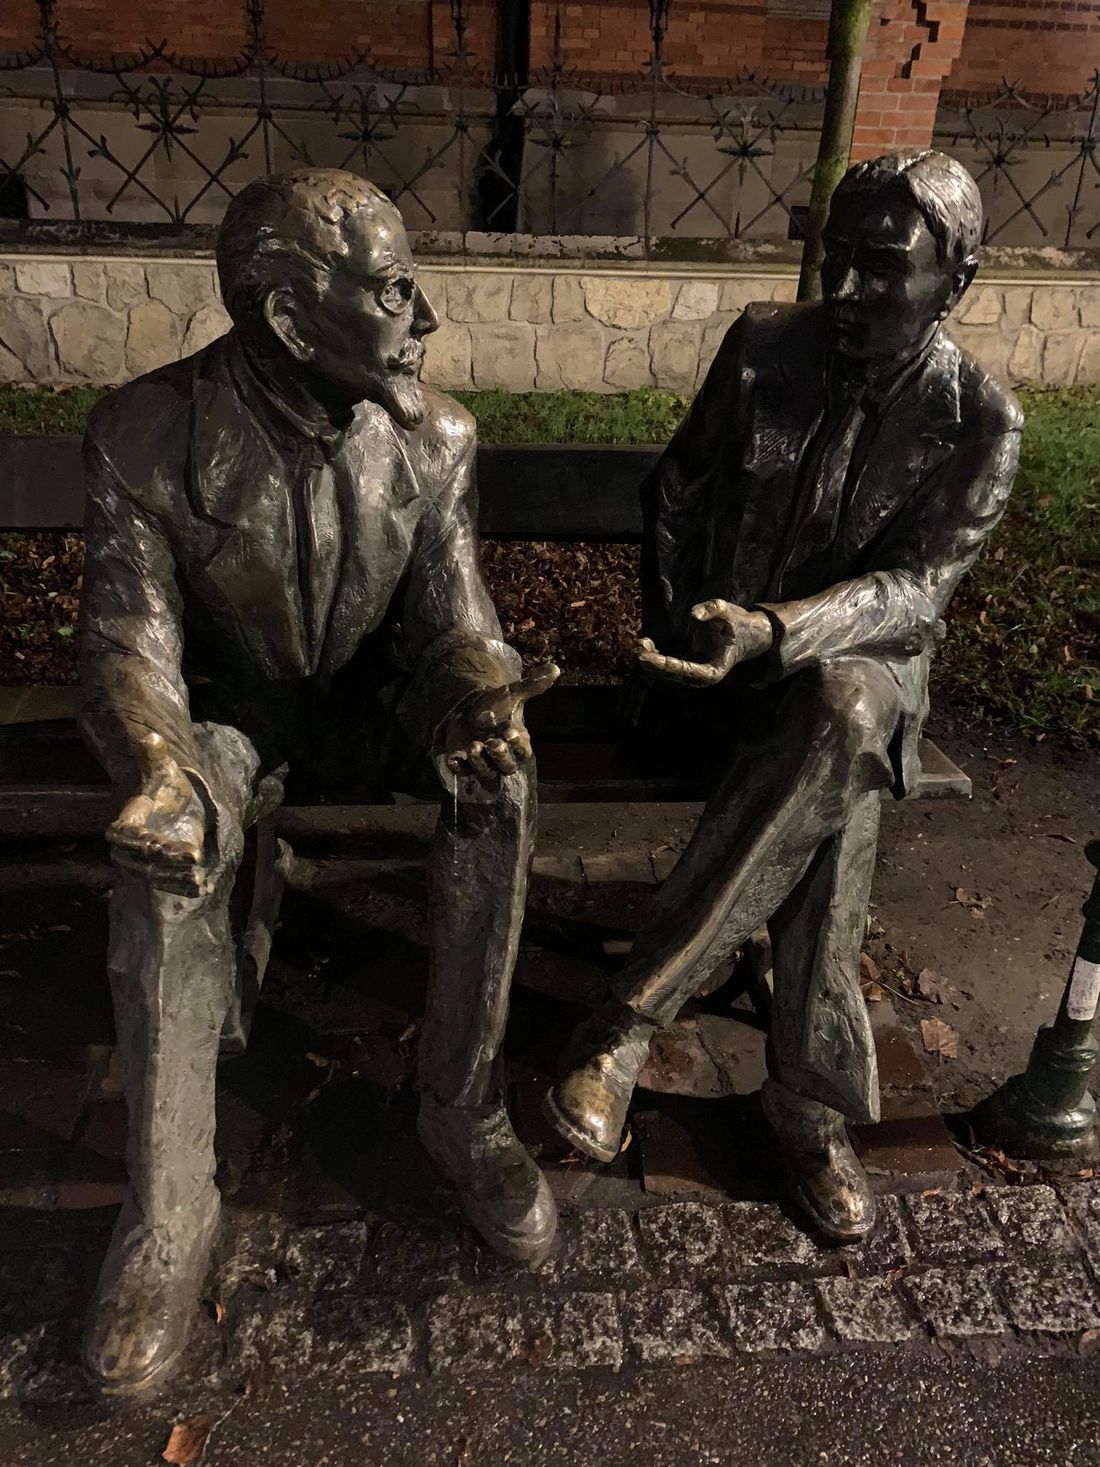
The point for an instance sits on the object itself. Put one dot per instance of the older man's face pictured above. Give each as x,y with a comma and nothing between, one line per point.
884,285
366,333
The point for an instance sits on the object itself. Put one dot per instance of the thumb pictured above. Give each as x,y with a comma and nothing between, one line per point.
155,760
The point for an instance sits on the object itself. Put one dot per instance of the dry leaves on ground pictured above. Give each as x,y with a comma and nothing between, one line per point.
187,1442
940,1038
974,903
869,975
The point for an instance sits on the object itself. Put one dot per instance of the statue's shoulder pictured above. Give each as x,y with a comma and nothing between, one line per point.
446,433
772,330
143,427
985,401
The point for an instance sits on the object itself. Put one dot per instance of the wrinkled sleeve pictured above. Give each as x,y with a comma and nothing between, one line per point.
452,634
130,620
895,610
676,501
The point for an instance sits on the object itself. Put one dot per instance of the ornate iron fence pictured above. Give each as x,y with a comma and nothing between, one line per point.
1037,161
155,136
488,143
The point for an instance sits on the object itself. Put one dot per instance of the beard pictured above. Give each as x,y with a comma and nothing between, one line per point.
401,396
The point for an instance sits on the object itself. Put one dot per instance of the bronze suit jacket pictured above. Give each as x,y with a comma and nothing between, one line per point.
721,506
192,577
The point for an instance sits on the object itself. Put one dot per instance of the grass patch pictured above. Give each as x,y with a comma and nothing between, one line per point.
1023,645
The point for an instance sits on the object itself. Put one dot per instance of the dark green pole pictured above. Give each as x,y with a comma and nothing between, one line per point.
1047,1111
848,21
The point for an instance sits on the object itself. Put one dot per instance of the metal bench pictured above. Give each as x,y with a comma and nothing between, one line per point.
50,785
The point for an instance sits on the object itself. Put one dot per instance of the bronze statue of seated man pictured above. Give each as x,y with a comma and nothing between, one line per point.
282,574
806,528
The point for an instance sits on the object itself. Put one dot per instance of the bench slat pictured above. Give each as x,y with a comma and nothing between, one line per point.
526,491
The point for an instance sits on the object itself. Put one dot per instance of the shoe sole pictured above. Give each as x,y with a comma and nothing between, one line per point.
569,1131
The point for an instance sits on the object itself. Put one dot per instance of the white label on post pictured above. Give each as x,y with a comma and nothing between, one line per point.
1084,990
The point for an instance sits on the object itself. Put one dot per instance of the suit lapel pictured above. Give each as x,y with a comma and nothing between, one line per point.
787,403
378,493
238,483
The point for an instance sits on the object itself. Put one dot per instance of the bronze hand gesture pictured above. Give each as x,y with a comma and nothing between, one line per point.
730,635
487,737
161,831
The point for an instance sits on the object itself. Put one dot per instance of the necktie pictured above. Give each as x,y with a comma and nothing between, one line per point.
821,499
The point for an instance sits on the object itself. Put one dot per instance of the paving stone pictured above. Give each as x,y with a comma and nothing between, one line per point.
958,1301
952,1227
673,1327
598,1243
472,1334
347,1334
1031,1218
1082,1201
1056,1301
869,1310
760,1237
684,1239
328,1257
772,1316
421,1257
887,1246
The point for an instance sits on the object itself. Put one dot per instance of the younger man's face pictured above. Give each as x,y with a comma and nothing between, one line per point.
883,282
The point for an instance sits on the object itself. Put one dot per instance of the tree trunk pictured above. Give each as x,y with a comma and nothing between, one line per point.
848,22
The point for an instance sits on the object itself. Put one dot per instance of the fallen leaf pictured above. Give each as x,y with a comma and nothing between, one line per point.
187,1441
868,968
939,1038
873,992
1088,1339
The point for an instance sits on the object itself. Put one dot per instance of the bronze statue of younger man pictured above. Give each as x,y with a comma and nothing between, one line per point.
282,573
806,528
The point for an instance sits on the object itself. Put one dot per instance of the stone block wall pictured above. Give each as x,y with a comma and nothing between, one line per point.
520,327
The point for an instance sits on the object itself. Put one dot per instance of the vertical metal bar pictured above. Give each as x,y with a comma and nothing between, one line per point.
658,25
257,24
60,105
1088,146
458,20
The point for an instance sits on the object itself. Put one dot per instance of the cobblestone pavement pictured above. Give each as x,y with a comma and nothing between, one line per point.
1016,1269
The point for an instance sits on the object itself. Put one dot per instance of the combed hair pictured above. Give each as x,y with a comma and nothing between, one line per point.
941,188
288,229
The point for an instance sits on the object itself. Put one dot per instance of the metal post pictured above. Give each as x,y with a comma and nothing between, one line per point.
1048,1111
848,22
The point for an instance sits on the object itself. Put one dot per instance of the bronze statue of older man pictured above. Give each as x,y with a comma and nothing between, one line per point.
282,574
806,528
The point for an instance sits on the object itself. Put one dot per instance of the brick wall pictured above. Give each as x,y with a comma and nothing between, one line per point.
911,46
1048,46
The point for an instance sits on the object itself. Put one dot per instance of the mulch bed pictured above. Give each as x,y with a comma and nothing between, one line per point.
577,604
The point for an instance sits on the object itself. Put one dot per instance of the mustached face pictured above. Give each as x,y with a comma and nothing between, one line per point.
361,339
884,283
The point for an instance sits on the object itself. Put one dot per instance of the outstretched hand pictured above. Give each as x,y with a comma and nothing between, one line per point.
730,635
487,737
161,831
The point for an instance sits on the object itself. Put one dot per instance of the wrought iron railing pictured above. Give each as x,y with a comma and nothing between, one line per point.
155,136
1037,160
477,143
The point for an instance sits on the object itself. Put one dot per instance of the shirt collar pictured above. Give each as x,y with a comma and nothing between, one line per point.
876,391
282,420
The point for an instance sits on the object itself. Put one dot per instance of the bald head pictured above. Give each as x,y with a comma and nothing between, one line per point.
292,230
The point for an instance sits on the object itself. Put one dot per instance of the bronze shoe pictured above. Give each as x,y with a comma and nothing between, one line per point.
504,1194
144,1306
603,1061
826,1179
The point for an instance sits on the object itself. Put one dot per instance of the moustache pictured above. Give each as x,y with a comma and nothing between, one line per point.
408,359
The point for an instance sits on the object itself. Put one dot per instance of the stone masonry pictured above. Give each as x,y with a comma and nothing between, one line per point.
523,327
1014,1268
